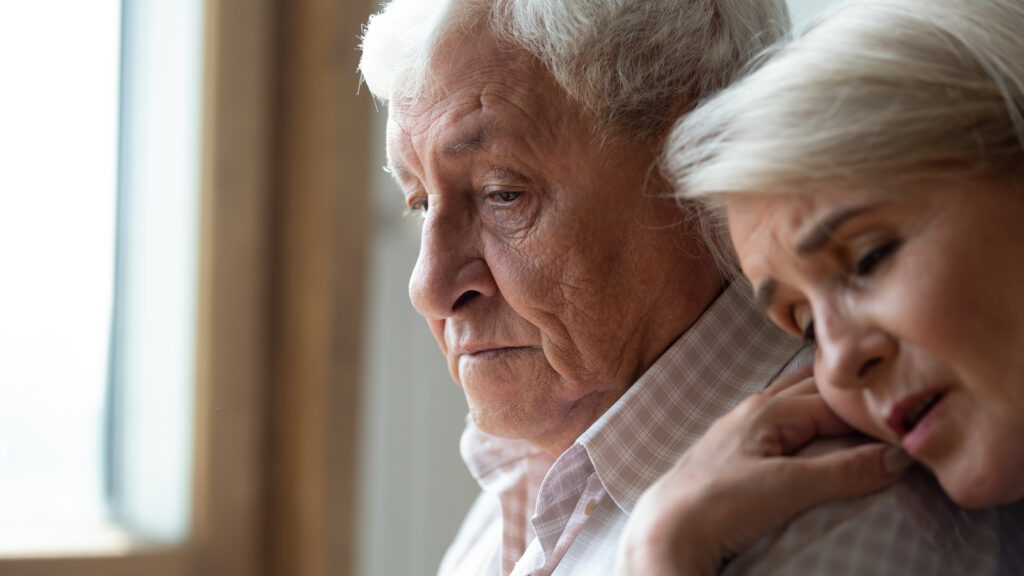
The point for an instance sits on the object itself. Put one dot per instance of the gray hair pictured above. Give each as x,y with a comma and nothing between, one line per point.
632,64
875,91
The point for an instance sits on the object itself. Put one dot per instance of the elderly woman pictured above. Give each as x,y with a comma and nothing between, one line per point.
872,176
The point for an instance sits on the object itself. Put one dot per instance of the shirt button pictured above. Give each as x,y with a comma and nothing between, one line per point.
590,507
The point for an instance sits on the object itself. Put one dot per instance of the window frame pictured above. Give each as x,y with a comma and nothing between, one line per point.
285,200
228,495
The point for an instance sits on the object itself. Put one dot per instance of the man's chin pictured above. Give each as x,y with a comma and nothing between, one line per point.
538,421
500,420
511,418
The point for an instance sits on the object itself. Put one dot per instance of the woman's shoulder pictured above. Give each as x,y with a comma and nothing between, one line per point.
910,527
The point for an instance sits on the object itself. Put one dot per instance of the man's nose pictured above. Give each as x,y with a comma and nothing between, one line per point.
451,270
852,351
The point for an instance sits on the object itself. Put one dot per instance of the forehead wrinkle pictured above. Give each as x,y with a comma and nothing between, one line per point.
504,106
534,107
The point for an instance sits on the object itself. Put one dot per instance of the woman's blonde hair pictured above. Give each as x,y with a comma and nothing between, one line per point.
875,90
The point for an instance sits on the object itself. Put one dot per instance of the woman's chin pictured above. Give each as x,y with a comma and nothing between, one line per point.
975,491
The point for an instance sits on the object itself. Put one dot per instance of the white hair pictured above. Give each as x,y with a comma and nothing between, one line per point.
634,64
876,91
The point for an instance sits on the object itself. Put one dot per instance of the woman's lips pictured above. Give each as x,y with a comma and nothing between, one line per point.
911,411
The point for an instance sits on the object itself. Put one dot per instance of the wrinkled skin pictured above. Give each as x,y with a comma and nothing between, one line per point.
553,271
912,294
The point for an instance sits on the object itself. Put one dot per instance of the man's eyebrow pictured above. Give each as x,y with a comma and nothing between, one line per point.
765,293
397,171
472,143
817,234
475,142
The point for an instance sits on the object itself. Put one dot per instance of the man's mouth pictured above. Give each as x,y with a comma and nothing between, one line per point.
492,351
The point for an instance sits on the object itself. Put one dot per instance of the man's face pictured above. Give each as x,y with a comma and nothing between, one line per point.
551,273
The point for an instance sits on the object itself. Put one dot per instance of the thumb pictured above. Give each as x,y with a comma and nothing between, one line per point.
850,472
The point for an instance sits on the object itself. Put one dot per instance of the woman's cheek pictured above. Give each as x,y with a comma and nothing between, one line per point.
854,407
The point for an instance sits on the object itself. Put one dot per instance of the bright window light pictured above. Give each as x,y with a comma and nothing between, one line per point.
99,151
153,363
58,184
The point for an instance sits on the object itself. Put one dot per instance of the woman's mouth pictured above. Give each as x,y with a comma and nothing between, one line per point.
915,414
906,415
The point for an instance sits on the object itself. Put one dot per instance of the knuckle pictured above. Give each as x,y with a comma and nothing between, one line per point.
755,403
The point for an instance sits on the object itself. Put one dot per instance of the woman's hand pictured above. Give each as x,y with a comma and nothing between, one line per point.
746,478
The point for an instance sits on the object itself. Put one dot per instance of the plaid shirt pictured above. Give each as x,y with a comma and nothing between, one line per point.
539,516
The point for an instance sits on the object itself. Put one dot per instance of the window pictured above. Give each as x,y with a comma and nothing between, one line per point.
129,416
57,224
98,235
263,480
152,367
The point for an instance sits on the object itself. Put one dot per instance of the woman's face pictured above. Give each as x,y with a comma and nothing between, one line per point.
914,297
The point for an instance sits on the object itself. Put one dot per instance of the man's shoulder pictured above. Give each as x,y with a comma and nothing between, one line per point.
910,527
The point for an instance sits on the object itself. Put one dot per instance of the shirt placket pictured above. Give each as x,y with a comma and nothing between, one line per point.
588,501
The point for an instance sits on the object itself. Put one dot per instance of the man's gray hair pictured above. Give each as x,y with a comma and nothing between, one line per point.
632,64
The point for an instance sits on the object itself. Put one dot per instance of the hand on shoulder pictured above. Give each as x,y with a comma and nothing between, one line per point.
755,469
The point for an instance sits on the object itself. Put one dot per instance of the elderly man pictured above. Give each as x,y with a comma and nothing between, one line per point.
577,307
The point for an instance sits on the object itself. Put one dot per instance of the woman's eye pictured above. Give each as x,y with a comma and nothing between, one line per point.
868,263
802,319
808,332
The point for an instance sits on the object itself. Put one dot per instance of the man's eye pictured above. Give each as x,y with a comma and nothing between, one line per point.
868,263
505,196
418,206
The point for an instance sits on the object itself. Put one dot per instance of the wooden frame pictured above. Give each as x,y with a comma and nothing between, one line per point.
323,213
229,491
284,233
235,294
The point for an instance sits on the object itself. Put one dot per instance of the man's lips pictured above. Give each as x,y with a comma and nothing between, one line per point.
912,409
489,350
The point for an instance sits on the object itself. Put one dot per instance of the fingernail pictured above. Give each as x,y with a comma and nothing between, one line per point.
895,460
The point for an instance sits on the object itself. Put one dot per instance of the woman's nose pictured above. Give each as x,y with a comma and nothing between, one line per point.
451,270
851,351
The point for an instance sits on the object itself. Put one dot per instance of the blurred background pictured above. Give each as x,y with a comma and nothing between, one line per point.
208,360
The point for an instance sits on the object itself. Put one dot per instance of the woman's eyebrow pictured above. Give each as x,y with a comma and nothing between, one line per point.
817,234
